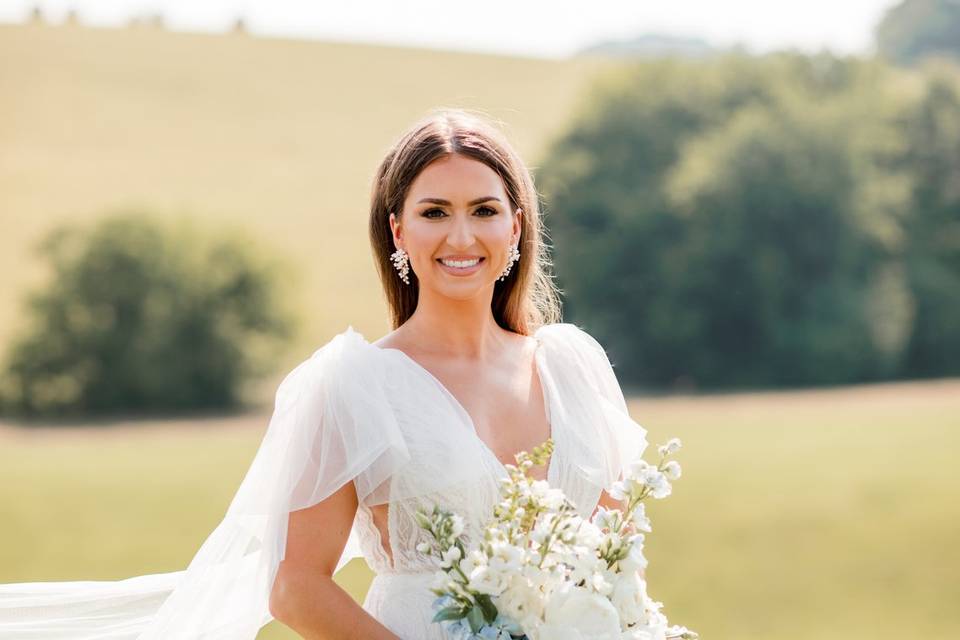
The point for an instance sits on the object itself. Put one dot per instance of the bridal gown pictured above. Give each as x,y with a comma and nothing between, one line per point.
357,412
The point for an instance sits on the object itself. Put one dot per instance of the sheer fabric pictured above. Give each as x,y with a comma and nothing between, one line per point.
351,412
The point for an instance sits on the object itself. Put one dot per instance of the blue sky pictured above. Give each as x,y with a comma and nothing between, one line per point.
537,28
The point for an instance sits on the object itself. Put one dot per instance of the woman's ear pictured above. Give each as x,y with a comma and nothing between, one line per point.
517,224
395,229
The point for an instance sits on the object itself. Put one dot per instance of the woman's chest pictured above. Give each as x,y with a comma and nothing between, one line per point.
507,417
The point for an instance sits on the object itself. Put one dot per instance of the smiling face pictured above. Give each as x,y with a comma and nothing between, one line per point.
457,209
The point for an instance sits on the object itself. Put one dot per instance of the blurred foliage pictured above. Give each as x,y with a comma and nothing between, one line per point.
915,29
142,317
749,222
932,252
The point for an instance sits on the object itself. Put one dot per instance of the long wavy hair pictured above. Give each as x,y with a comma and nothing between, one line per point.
528,297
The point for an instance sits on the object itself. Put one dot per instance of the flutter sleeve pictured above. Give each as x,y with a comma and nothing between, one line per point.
321,435
618,438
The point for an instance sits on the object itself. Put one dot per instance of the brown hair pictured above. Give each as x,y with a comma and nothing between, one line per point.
527,298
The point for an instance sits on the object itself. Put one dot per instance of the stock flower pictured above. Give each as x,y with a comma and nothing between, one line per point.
628,596
672,470
634,559
604,518
457,522
639,518
657,482
672,446
450,556
638,467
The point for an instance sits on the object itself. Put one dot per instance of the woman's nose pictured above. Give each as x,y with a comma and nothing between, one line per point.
461,233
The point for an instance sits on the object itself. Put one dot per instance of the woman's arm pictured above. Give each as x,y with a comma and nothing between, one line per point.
304,596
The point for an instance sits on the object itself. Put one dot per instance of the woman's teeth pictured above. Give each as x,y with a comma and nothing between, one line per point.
461,264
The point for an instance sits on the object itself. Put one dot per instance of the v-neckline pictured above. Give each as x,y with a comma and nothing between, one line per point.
547,399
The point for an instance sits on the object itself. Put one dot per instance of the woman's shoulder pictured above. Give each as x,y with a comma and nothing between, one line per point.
345,352
573,338
577,353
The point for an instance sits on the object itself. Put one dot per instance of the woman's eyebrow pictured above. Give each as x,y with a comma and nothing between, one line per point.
447,202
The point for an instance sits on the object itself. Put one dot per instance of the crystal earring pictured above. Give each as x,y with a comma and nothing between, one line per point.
514,256
401,261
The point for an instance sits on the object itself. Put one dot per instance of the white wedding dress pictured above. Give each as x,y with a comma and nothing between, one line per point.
352,411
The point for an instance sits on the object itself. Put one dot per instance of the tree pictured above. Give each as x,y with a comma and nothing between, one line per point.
915,29
932,224
142,317
726,224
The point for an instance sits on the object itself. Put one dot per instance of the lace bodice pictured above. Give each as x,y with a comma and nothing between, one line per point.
473,500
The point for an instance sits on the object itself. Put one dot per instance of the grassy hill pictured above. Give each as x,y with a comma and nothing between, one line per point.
278,136
811,514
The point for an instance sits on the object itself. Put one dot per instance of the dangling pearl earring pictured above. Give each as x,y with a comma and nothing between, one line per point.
401,261
514,256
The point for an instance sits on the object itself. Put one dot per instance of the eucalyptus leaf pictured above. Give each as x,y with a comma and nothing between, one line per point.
453,612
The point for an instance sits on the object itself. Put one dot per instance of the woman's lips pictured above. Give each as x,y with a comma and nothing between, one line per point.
457,271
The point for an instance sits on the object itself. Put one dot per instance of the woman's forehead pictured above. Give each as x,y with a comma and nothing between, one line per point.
456,179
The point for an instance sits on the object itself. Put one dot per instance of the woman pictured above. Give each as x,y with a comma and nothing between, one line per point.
363,434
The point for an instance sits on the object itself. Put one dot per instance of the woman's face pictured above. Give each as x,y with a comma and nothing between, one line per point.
457,209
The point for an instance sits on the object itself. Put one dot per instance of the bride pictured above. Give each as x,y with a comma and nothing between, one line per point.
476,369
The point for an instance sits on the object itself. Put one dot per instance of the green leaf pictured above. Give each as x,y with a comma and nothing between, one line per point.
453,612
475,618
489,609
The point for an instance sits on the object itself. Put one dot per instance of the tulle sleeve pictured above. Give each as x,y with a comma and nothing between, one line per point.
315,442
618,437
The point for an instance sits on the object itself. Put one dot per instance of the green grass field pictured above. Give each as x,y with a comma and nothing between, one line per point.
822,514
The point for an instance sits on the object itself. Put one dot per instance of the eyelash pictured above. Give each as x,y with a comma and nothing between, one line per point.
491,209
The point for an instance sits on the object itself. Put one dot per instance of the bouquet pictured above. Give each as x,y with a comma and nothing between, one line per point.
542,572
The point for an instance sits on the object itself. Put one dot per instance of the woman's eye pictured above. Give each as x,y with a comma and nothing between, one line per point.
491,212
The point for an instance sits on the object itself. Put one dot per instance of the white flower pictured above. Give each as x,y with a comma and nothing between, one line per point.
672,446
635,559
586,533
457,521
680,630
440,580
599,582
423,547
637,467
584,565
483,580
655,630
603,518
672,470
576,614
554,499
640,520
521,600
628,597
658,483
450,556
475,558
618,491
